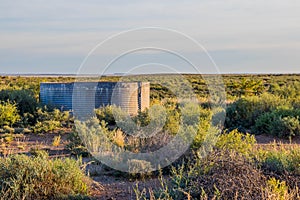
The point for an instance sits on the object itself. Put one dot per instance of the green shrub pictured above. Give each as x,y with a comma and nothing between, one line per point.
287,91
23,177
279,159
8,113
142,118
244,111
76,146
94,135
277,189
51,121
282,122
205,128
105,114
145,123
172,122
24,99
238,142
46,126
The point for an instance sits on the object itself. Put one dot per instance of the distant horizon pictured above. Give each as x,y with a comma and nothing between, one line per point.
118,74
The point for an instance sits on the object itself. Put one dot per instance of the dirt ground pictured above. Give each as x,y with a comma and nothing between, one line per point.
106,185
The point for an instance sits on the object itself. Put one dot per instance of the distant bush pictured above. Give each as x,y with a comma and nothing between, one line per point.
282,122
24,99
286,91
46,126
8,113
243,112
23,177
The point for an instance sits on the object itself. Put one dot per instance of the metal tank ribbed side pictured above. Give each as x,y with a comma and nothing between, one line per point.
125,96
104,93
130,96
144,95
58,95
83,98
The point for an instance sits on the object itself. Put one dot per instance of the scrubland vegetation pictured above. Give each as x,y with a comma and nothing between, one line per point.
236,166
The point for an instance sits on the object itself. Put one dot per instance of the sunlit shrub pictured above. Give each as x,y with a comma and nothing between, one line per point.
24,99
238,142
46,126
244,111
280,159
51,121
119,138
276,189
282,122
8,113
106,114
56,141
23,177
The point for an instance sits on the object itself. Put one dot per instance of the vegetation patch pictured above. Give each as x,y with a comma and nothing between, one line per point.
23,177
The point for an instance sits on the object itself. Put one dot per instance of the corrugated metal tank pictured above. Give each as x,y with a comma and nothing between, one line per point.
144,95
125,96
85,96
58,95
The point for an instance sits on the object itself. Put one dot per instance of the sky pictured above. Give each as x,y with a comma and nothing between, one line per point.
241,36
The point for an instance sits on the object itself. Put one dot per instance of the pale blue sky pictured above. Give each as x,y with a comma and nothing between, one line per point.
242,36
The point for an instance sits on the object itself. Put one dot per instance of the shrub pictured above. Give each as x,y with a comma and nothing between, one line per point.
277,189
221,175
289,126
76,145
105,114
282,122
172,122
24,99
238,142
56,141
204,126
8,113
279,159
137,166
46,126
51,121
94,135
119,138
144,124
244,111
295,102
142,118
286,91
23,177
